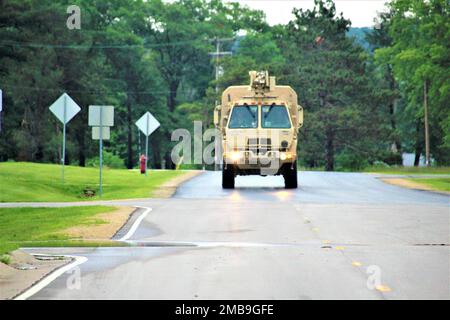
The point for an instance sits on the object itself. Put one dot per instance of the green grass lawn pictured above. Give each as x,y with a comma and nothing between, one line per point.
24,181
35,227
409,170
438,184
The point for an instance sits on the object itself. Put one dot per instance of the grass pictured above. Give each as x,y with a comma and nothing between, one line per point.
6,259
39,227
438,184
408,170
24,181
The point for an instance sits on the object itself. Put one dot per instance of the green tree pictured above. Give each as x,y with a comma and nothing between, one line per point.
387,91
420,58
328,70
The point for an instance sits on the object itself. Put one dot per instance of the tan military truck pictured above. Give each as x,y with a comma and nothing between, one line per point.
259,124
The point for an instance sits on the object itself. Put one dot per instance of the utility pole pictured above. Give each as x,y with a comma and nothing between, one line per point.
427,135
139,145
217,55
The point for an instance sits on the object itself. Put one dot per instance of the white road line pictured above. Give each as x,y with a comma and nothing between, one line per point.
136,224
51,277
78,260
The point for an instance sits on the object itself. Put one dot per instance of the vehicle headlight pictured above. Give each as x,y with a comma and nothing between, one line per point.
285,156
235,156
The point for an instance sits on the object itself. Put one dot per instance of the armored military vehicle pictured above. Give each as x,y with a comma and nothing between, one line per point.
259,123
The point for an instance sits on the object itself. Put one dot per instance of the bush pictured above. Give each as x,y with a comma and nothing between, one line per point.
110,160
350,161
191,166
380,164
6,259
392,158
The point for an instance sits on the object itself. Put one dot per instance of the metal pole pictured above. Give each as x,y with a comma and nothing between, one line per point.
146,145
217,64
63,156
101,148
218,54
427,135
216,143
146,154
139,144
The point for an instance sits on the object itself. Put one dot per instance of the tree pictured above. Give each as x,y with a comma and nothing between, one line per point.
388,91
254,51
328,70
420,58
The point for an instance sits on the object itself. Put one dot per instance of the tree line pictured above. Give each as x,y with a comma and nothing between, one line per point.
362,106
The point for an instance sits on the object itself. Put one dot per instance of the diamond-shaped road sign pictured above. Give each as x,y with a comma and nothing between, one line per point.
64,108
147,123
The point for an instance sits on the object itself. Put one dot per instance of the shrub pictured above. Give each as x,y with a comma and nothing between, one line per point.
110,160
346,160
392,158
6,259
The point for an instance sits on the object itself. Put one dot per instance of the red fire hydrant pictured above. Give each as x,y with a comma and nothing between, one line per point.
143,160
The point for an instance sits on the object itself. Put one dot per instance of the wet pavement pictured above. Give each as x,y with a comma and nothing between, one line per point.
339,236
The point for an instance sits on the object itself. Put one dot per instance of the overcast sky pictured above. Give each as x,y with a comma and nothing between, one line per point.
360,12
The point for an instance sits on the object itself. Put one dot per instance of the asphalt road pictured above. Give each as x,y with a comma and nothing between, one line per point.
339,236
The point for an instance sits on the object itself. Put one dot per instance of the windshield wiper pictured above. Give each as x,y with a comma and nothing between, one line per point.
247,107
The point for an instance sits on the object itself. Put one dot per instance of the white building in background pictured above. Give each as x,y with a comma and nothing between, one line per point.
408,160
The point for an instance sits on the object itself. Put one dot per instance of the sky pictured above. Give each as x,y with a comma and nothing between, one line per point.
360,12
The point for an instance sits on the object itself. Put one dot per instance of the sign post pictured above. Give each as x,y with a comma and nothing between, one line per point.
1,108
101,118
101,150
64,108
147,124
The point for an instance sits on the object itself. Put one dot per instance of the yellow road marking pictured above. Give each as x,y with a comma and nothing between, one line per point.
356,264
339,248
383,288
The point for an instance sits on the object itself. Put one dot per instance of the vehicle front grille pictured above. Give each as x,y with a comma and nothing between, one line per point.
259,145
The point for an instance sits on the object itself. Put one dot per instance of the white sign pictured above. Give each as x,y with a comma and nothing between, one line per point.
64,108
107,118
148,123
96,133
1,100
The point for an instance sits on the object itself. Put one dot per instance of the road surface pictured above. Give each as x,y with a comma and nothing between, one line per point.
339,236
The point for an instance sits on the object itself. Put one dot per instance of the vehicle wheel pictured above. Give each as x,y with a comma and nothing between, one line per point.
290,176
227,177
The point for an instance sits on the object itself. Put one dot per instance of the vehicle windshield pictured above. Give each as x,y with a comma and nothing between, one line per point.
275,116
244,117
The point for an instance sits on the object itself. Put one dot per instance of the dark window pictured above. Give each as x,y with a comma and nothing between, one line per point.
275,117
244,117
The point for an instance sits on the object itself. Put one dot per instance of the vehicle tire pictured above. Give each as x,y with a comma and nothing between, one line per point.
227,177
290,176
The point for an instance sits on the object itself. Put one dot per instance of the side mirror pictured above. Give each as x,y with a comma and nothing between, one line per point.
300,116
224,121
216,116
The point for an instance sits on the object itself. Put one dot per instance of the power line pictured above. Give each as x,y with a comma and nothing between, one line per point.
8,43
218,54
89,91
